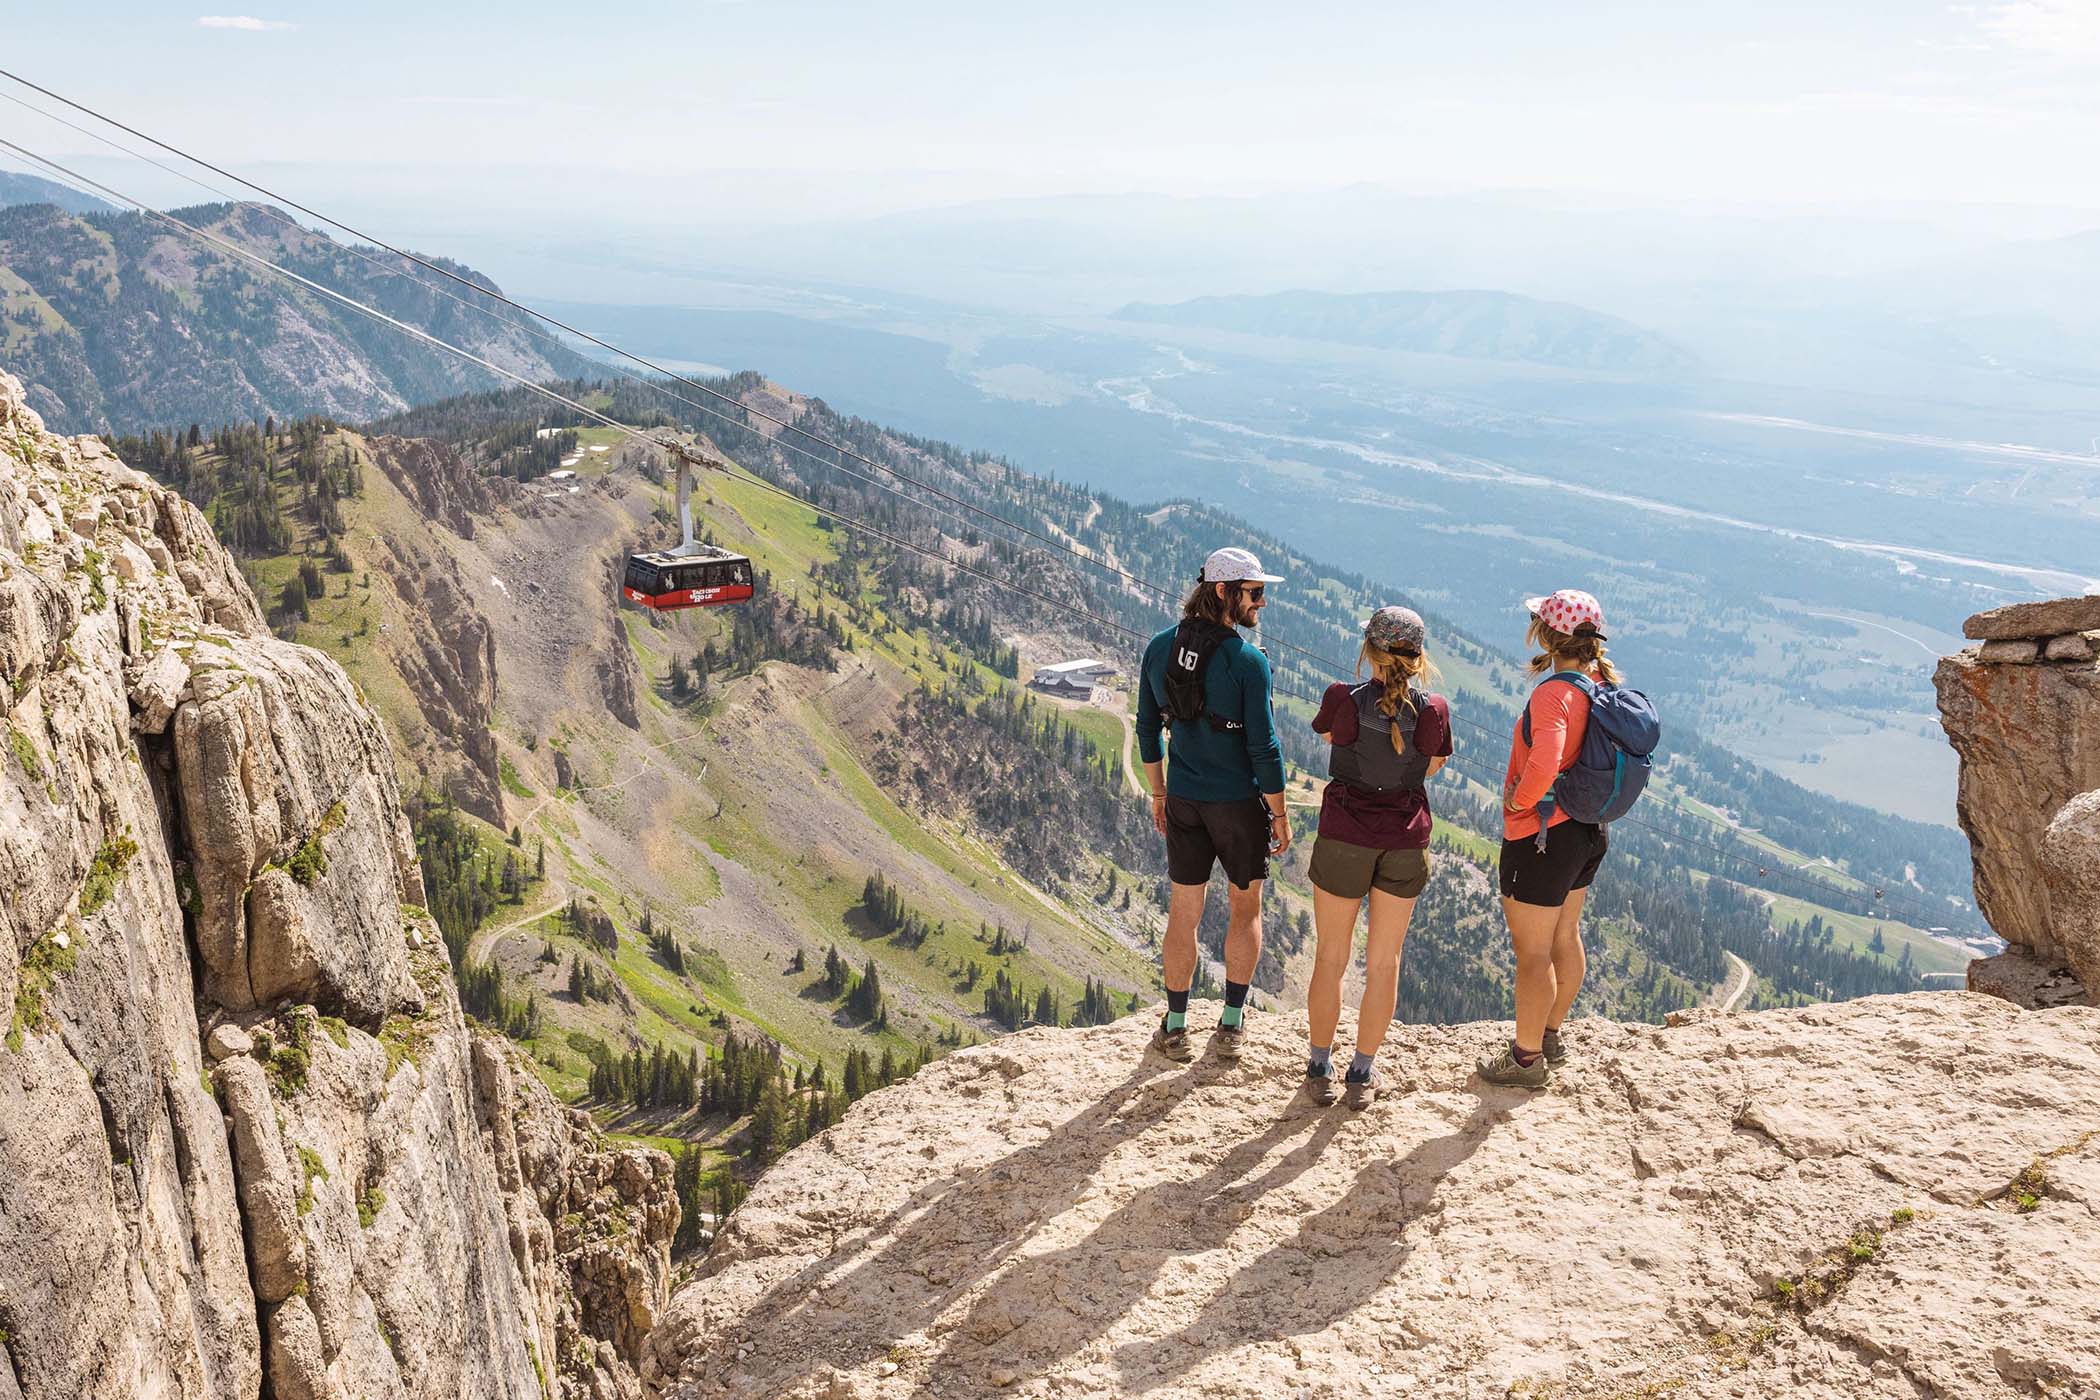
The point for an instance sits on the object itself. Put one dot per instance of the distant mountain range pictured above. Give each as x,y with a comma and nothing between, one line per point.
1472,325
116,322
30,189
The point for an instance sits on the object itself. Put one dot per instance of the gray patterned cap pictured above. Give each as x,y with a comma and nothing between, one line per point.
1394,628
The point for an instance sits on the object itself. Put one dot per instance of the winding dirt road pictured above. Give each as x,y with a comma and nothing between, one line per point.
1742,984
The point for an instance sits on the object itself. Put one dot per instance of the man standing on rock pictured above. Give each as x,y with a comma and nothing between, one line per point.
1220,800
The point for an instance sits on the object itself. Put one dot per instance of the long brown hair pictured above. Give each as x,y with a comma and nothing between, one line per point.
1204,602
1396,671
1562,651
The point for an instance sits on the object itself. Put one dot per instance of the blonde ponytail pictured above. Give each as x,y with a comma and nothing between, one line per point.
1560,651
1396,671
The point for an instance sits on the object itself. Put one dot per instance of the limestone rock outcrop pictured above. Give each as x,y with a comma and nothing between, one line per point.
249,1144
2023,712
1886,1198
448,661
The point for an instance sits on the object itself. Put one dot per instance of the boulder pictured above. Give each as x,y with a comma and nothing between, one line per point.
2029,741
2018,976
2044,619
162,682
2073,646
227,1040
2070,865
2010,653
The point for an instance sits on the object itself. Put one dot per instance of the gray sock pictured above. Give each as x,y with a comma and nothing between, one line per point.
1360,1068
1320,1063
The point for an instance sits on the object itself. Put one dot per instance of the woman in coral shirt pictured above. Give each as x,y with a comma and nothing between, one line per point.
1546,875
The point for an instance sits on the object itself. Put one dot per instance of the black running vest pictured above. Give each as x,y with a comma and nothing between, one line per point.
1369,764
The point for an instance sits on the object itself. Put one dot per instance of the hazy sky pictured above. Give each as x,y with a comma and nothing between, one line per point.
939,99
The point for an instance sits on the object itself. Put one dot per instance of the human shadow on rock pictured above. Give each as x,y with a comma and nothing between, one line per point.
959,1230
1333,1263
1046,1307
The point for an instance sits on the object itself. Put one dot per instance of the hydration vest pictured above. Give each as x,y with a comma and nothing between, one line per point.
1196,640
1369,764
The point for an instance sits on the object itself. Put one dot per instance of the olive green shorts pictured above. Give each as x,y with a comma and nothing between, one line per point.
1354,871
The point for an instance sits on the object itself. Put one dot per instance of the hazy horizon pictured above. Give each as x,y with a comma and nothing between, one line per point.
1990,104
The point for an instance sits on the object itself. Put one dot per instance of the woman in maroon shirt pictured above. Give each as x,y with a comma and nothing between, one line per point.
1388,737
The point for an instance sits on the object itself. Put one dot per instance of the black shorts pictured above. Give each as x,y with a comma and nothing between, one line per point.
1573,852
1233,834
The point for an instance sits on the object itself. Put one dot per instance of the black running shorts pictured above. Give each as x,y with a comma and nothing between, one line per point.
1573,852
1232,834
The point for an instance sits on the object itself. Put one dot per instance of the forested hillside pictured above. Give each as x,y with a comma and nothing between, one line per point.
114,320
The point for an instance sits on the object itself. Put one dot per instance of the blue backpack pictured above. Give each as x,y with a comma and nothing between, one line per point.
1611,771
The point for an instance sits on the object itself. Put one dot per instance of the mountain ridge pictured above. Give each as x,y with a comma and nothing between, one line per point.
113,321
17,188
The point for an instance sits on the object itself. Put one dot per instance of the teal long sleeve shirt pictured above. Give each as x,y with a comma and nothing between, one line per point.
1205,764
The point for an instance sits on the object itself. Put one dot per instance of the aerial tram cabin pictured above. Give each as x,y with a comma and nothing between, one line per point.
667,579
692,575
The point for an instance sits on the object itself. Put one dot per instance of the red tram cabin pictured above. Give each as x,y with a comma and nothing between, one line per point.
668,581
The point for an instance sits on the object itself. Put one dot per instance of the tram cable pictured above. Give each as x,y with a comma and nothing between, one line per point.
1062,603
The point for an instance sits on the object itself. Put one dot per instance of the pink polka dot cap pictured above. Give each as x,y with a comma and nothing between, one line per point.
1570,611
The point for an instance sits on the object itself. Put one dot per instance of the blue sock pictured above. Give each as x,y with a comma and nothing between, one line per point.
1230,1016
1320,1063
1235,998
1360,1068
1177,1019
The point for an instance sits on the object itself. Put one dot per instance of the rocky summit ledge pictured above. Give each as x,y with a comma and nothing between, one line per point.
1891,1197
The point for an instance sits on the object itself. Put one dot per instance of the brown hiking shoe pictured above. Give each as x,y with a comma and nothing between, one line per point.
1320,1088
1503,1069
1226,1040
1555,1049
1360,1094
1173,1044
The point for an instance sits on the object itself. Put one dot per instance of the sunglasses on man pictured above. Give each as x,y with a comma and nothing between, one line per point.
1253,591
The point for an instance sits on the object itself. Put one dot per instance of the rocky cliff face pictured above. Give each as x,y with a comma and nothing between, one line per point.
448,657
1894,1197
2022,709
249,1145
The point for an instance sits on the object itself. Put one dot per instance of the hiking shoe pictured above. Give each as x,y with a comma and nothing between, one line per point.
1556,1050
1320,1088
1173,1044
1226,1040
1361,1093
1503,1069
